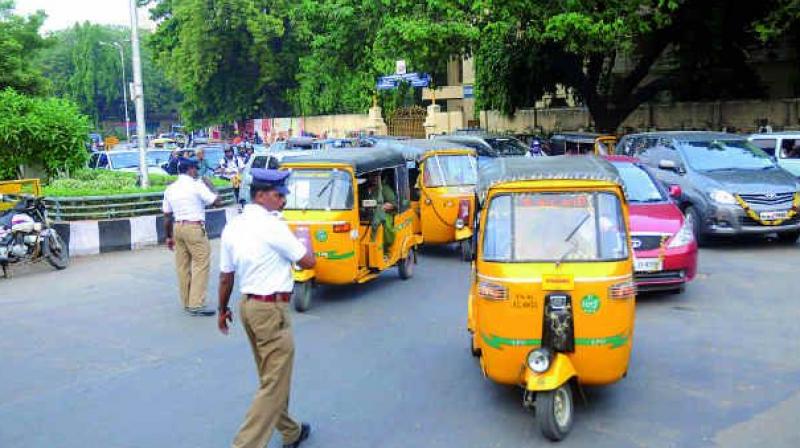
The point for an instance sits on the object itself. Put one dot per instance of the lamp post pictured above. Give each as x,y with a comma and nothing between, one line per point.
124,87
138,95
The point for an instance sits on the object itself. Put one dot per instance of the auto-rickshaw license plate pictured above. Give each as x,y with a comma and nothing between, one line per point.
647,264
558,282
772,216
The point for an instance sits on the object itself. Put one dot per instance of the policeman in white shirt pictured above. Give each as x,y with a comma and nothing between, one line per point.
184,208
259,247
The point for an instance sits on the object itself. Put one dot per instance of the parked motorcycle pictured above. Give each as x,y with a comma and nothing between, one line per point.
27,237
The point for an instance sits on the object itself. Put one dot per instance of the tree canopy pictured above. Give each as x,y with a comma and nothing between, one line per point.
242,58
83,64
19,38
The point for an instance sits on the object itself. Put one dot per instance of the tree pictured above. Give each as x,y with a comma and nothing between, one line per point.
230,59
46,132
83,65
19,38
615,55
352,42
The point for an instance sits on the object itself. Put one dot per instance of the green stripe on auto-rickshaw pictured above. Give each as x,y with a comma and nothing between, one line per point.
498,342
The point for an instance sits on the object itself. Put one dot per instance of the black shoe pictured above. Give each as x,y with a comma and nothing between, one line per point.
305,430
200,312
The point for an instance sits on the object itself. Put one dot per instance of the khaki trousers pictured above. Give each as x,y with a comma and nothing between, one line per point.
269,330
192,261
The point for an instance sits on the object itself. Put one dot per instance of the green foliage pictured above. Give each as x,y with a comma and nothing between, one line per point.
230,59
19,38
46,132
87,182
84,65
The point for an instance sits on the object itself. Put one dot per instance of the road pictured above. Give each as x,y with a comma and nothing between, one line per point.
99,355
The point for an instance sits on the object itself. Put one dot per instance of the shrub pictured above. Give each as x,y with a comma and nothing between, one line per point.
86,182
47,132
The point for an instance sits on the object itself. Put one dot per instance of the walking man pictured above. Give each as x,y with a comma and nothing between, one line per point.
184,209
259,247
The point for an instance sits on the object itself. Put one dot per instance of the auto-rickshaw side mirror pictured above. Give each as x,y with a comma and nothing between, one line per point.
369,203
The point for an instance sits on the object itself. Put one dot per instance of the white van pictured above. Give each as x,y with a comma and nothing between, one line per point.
783,146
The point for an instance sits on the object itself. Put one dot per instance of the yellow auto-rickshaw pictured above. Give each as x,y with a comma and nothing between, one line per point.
443,176
551,306
329,206
581,143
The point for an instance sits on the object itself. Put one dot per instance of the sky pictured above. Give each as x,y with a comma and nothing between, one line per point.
64,13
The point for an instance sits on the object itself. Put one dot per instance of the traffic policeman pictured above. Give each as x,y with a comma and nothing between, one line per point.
259,247
184,208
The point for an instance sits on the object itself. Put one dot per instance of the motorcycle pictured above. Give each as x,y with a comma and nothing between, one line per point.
27,237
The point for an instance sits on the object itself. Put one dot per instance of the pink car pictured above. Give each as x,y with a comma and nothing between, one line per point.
665,251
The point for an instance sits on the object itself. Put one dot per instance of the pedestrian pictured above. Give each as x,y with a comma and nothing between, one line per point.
259,247
185,201
204,168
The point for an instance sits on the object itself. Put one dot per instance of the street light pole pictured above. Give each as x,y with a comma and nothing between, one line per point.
138,95
124,87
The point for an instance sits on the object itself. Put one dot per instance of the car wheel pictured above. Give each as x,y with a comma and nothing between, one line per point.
789,237
693,216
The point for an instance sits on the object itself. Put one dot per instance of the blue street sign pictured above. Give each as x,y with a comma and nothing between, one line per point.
469,91
392,81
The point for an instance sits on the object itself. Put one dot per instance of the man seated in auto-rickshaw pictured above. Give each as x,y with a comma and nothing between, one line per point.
379,190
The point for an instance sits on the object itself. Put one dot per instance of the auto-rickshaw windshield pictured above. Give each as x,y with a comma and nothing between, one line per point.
552,227
450,170
319,190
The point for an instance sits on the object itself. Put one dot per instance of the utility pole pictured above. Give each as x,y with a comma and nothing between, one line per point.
138,96
124,88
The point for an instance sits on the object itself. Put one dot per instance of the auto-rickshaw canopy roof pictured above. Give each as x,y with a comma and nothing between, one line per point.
415,149
363,160
511,169
576,137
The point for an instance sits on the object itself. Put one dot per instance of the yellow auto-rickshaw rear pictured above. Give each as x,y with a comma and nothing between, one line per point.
443,176
551,307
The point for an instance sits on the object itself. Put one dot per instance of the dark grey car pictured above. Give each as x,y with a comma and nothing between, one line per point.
730,187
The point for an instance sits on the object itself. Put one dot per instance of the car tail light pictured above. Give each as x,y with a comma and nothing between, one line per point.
492,291
622,290
341,228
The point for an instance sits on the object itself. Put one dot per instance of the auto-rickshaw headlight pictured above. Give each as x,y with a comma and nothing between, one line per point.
539,360
459,223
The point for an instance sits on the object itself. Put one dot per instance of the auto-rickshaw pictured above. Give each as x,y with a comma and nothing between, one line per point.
580,143
442,177
551,305
328,206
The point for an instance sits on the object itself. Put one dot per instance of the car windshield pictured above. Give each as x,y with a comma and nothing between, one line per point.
122,160
156,158
548,227
444,171
720,155
506,147
320,190
639,186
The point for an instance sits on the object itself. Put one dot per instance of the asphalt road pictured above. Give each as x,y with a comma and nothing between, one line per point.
99,355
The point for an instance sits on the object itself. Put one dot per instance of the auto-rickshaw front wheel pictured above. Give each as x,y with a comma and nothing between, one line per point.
554,412
301,298
466,249
405,267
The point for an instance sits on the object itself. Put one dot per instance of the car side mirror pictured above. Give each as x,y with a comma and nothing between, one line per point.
675,191
670,165
369,203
